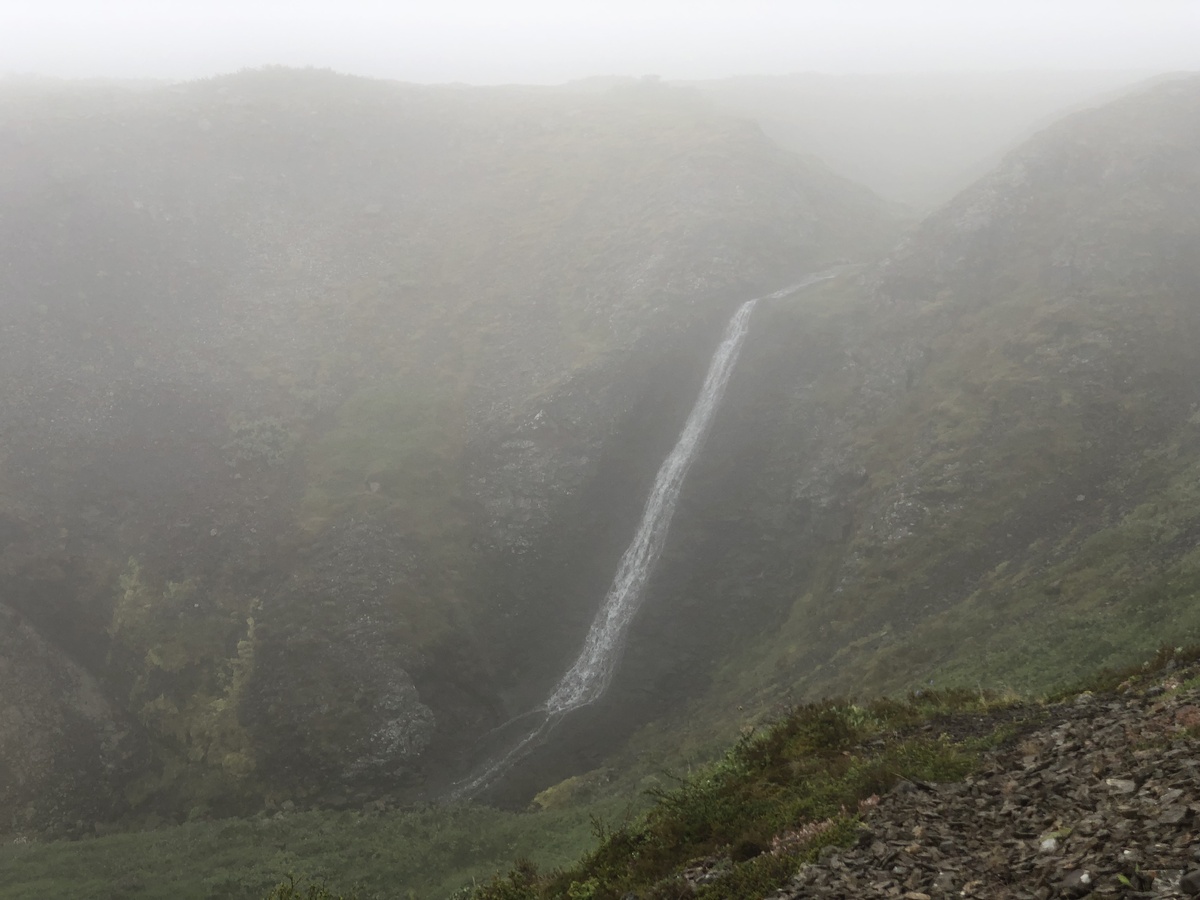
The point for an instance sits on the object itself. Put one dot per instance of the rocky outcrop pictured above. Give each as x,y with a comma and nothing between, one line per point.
333,667
63,744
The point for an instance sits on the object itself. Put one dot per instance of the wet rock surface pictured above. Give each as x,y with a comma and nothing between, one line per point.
1099,800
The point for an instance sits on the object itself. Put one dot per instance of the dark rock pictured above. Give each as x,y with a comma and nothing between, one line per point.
1174,815
61,739
1190,883
1077,883
1121,785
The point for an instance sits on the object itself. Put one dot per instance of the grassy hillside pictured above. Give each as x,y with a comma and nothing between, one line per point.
799,770
390,853
806,788
973,464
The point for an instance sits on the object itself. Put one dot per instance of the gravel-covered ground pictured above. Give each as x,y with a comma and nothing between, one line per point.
1100,800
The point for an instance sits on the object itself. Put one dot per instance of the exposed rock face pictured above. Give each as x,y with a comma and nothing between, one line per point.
523,469
362,716
62,743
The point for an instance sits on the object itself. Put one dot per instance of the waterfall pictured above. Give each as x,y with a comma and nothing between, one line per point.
589,677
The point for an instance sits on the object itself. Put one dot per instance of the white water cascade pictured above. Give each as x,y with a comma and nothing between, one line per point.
592,672
589,677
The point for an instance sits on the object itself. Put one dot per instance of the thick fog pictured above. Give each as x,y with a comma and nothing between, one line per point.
539,41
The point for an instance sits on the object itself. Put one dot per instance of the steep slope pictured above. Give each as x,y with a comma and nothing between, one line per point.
918,138
322,394
943,795
1096,801
970,465
975,464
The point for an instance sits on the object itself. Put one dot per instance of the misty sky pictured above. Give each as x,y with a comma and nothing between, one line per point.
556,40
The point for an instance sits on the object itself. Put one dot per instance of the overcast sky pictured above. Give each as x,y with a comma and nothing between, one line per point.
555,40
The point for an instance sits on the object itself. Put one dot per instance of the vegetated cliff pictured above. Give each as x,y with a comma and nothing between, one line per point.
328,404
976,464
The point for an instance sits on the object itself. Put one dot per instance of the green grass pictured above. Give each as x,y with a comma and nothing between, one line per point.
779,796
754,816
426,853
291,889
814,766
770,803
